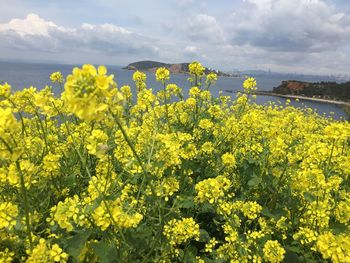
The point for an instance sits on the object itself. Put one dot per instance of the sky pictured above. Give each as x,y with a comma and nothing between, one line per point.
295,36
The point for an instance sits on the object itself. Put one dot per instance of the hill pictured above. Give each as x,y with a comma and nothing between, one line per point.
176,68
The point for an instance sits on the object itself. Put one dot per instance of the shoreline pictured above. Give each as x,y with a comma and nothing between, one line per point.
344,105
337,102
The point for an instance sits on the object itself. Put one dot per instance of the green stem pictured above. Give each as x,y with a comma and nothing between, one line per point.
331,155
97,189
43,130
166,106
20,116
152,247
26,205
127,139
244,106
159,235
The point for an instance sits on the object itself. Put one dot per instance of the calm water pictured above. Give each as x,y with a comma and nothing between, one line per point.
21,75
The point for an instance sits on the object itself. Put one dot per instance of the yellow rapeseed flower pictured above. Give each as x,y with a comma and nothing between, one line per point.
178,231
249,84
196,68
56,77
87,90
162,74
273,251
8,215
5,90
212,189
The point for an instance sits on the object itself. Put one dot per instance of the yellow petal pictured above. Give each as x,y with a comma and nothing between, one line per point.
102,70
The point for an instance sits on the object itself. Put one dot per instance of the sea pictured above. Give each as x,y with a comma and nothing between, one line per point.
23,75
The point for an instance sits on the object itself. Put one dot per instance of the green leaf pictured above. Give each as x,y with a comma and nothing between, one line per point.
207,208
266,212
309,197
140,238
295,249
338,228
106,252
255,181
204,236
190,254
70,180
186,202
76,243
291,257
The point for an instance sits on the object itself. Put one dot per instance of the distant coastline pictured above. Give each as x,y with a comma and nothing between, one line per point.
270,93
175,68
342,104
35,74
324,92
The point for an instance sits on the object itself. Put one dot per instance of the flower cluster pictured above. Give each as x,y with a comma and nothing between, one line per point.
44,252
56,77
273,251
8,214
334,247
115,215
5,90
211,79
97,143
249,84
211,190
162,74
6,256
197,69
87,92
167,187
179,231
140,80
228,159
66,213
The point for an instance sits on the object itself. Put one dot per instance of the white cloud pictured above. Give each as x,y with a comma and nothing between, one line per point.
35,33
285,25
32,25
191,51
203,28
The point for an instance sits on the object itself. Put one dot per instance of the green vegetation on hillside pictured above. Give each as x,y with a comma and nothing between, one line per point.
326,90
